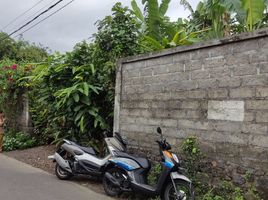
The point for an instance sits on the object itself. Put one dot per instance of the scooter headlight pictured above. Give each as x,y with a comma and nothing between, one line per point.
175,158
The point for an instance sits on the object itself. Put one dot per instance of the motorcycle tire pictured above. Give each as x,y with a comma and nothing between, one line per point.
61,173
183,188
108,187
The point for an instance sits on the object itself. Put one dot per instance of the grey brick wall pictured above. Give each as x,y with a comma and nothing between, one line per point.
173,88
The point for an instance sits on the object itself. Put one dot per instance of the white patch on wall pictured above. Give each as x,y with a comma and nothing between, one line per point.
226,110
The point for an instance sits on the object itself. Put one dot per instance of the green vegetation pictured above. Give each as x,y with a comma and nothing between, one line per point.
204,190
21,51
13,141
72,95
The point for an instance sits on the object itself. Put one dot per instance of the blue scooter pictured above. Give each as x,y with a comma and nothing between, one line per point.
126,173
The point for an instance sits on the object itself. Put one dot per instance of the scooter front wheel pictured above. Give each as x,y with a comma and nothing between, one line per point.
61,173
183,188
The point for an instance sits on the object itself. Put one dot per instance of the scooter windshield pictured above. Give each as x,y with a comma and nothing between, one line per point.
114,144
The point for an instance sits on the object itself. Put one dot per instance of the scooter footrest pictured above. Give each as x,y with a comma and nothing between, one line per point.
144,187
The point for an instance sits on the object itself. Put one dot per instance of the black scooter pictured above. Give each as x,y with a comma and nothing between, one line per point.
129,173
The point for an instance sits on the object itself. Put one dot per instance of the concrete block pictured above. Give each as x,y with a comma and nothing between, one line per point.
136,104
161,113
260,56
207,83
199,74
254,129
249,116
242,47
199,54
176,67
242,93
219,51
193,65
259,141
181,57
237,59
190,104
146,72
229,82
226,126
162,96
197,94
226,110
159,61
134,65
155,88
158,104
262,117
178,95
257,104
173,104
181,86
218,94
192,94
214,62
162,69
220,72
260,80
262,92
132,73
243,70
263,67
196,125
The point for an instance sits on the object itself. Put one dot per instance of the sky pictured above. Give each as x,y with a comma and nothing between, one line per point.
71,25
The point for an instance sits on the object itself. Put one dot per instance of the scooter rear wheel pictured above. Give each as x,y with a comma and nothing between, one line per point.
61,173
183,188
108,187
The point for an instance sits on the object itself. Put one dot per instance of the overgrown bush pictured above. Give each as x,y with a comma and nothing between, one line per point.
12,89
72,95
18,140
223,190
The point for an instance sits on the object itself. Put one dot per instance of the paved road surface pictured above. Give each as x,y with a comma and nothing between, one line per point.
19,181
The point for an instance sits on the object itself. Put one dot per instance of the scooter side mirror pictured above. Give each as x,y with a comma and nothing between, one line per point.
159,131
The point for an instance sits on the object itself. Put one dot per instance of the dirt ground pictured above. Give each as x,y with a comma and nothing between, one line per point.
37,157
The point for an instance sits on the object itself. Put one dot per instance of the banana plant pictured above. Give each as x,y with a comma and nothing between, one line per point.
153,16
182,37
255,12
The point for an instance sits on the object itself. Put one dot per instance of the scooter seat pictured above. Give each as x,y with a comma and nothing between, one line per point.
143,162
88,150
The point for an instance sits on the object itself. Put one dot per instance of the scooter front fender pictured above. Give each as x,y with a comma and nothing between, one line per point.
176,175
63,163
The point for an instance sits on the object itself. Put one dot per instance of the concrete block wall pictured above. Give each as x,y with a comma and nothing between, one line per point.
216,90
24,120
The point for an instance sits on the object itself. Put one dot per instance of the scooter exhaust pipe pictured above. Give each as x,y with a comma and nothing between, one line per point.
113,180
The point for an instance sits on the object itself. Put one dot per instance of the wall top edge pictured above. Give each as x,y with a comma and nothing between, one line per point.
201,45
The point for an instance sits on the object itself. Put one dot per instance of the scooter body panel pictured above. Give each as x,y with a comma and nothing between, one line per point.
98,162
73,150
125,163
63,163
176,175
